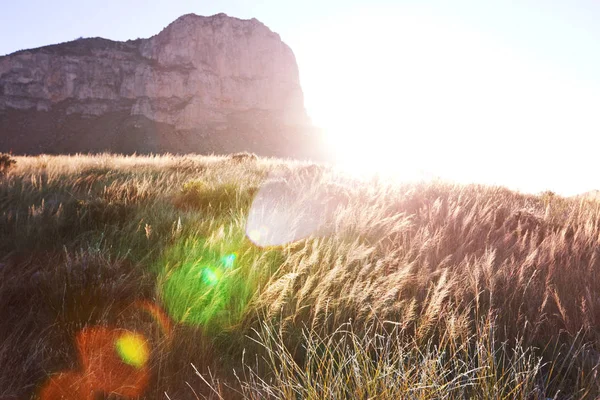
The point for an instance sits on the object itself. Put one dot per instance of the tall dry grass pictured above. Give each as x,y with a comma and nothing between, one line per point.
425,290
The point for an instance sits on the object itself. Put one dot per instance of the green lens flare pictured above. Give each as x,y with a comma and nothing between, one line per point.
133,349
209,276
229,260
210,281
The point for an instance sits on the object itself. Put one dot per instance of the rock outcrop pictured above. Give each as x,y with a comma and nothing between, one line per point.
203,84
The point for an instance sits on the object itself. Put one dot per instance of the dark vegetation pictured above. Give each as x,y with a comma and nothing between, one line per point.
6,163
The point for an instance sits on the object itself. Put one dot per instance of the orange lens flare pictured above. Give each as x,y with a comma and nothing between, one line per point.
105,368
113,361
158,314
67,386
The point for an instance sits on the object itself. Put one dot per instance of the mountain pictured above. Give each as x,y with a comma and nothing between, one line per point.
203,84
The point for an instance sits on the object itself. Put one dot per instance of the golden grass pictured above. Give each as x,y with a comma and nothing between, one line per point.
420,291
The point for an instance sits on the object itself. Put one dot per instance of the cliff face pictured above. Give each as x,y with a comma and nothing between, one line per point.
203,84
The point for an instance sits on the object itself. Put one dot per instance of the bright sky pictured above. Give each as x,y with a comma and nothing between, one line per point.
504,92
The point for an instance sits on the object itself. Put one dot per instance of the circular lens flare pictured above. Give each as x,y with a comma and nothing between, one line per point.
133,349
292,208
229,260
209,276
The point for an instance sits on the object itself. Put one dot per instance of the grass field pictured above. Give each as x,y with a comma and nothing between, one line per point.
154,277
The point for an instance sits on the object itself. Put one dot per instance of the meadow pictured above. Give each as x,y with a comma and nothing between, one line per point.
160,277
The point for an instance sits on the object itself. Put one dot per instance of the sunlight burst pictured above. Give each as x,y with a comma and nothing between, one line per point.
418,96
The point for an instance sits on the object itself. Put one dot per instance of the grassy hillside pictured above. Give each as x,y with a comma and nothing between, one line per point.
154,277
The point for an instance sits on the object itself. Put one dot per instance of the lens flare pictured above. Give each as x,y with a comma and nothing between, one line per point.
103,366
67,385
210,281
209,276
195,284
112,361
133,349
229,260
258,235
158,315
288,211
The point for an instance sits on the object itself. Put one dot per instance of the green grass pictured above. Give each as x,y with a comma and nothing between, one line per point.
417,291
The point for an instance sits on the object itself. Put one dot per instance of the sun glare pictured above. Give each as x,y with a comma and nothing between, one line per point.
417,96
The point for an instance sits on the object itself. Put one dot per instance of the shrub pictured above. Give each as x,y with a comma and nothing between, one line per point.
243,156
6,163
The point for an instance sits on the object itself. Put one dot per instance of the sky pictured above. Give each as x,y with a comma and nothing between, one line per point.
495,92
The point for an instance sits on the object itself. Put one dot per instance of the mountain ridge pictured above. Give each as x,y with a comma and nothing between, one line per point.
198,78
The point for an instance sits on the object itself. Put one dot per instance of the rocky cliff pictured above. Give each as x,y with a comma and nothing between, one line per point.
203,84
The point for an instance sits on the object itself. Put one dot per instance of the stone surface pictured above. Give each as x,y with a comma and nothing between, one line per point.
203,84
